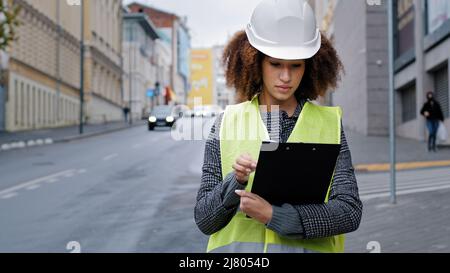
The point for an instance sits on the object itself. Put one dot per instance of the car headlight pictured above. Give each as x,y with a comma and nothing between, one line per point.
170,119
152,119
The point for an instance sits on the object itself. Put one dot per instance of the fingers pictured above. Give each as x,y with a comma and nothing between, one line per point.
242,174
246,161
249,158
243,167
246,194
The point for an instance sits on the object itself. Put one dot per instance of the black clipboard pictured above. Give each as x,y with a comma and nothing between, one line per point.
295,173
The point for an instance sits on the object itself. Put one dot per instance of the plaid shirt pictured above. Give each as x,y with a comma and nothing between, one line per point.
217,201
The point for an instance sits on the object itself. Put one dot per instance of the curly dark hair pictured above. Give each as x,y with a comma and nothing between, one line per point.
242,60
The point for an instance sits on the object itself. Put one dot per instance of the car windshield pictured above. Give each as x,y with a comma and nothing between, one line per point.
162,110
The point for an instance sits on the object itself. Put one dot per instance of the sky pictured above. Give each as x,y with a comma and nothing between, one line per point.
211,22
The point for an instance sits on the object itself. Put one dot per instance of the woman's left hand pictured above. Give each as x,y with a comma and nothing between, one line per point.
255,207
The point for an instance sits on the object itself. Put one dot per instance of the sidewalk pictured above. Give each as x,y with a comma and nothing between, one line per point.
417,223
371,153
63,134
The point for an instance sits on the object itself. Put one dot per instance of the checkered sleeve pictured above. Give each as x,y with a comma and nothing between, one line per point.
217,201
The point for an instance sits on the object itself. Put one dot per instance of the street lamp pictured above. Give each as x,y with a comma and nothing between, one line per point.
392,101
131,28
81,66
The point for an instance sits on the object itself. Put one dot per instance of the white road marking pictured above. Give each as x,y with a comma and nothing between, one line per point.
9,195
6,147
408,182
67,175
12,190
33,187
53,180
109,157
404,192
405,187
24,144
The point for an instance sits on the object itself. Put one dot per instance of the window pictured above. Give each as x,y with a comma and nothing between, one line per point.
438,12
39,107
441,89
55,105
27,106
61,109
21,104
44,108
49,111
16,103
33,106
404,30
129,35
408,100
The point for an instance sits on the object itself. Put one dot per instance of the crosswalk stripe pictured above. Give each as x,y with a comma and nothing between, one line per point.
404,183
404,192
377,185
407,187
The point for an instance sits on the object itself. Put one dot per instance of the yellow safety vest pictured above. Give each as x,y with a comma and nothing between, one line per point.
242,131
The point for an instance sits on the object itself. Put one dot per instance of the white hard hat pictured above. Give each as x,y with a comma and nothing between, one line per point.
284,29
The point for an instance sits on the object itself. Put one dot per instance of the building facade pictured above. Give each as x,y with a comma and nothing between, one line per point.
422,53
42,86
103,69
324,12
163,61
364,91
139,49
177,32
422,56
222,94
43,78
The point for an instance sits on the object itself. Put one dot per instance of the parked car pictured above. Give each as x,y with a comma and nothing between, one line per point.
162,116
197,112
181,111
213,110
206,111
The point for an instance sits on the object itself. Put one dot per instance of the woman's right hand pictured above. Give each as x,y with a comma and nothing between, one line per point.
243,167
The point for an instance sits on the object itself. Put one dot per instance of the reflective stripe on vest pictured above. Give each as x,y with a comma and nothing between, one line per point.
242,131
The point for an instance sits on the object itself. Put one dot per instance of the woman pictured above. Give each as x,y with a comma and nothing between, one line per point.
279,61
432,111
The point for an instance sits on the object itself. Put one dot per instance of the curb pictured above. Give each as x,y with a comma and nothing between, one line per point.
400,166
22,144
83,136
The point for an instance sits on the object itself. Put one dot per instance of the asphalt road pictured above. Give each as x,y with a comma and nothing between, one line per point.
129,191
134,191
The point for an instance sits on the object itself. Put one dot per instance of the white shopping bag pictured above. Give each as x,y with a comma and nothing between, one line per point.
442,134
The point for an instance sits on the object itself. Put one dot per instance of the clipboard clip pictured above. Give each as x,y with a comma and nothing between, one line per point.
269,146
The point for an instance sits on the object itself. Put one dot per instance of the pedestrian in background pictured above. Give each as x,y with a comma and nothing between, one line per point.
126,111
432,111
280,61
